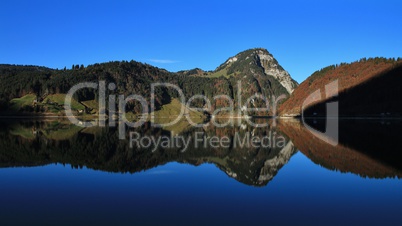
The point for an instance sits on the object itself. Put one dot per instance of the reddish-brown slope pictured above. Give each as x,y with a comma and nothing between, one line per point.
348,76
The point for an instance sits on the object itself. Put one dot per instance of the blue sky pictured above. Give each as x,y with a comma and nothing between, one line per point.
302,35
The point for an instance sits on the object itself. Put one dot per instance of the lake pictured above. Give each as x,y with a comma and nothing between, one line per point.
56,173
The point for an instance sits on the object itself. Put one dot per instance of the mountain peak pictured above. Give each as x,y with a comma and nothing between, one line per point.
245,55
257,60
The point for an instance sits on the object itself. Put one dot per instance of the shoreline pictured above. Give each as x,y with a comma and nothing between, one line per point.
53,116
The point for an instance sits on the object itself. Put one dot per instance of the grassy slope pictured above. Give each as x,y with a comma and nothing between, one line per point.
93,104
171,111
52,103
166,114
18,103
223,72
59,99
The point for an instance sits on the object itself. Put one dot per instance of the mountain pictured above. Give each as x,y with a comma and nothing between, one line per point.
258,63
252,64
37,90
368,87
257,71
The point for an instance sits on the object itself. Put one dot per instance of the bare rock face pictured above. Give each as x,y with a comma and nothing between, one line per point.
272,68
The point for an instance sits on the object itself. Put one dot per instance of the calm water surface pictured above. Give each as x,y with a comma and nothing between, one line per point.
54,173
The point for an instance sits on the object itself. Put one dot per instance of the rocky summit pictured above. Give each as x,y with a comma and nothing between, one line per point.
258,62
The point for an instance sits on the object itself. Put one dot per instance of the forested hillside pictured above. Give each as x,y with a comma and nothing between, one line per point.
34,89
368,87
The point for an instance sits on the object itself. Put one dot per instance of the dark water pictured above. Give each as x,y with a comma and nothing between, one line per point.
54,173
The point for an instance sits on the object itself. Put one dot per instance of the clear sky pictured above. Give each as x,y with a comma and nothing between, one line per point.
302,35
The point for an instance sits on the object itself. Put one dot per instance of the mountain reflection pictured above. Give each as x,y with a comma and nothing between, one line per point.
366,147
42,142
